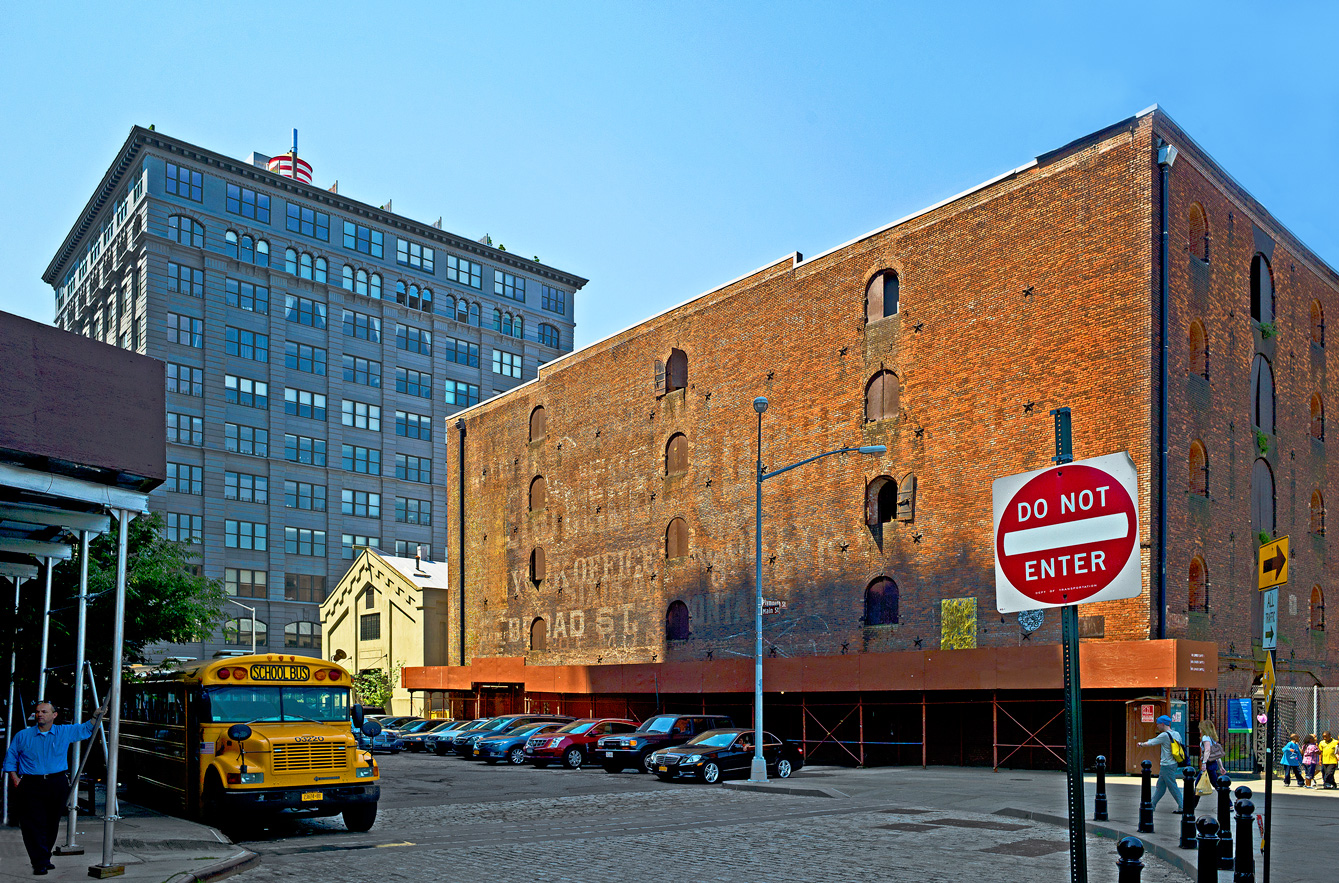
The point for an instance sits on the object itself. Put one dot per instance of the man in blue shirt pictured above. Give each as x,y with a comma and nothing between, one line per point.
36,765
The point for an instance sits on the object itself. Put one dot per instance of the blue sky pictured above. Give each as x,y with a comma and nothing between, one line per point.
657,149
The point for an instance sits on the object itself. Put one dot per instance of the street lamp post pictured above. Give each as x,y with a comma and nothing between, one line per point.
253,621
758,768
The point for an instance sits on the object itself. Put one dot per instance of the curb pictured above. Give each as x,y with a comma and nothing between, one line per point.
1175,857
244,860
796,790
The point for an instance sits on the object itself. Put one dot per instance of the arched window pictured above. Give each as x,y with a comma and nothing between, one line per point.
676,371
1199,469
374,286
304,635
291,261
346,278
881,296
518,327
1317,323
425,300
475,319
449,306
262,252
463,311
230,243
676,454
676,538
1199,350
538,566
1198,585
305,266
676,622
539,635
548,335
319,272
497,319
1317,513
1262,290
360,282
1317,417
1317,609
237,632
538,494
538,424
880,501
1198,233
1262,394
882,395
1262,498
506,324
881,602
185,231
401,295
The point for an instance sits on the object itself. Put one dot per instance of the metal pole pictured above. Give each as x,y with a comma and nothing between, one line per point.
72,820
9,705
106,867
46,634
1270,726
758,768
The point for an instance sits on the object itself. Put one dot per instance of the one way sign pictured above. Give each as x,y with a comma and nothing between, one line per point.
1273,569
1270,633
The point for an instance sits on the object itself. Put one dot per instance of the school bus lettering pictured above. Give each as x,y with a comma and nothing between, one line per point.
279,672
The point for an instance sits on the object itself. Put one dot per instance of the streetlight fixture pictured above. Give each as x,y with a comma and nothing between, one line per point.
253,621
758,768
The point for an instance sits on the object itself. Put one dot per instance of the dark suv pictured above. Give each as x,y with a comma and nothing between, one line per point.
617,753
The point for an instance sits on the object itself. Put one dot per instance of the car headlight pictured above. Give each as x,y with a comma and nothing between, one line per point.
554,743
364,772
692,758
252,778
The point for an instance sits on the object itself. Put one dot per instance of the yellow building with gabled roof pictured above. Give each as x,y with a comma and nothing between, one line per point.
388,611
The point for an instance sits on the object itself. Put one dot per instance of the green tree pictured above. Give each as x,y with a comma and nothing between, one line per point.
375,687
166,602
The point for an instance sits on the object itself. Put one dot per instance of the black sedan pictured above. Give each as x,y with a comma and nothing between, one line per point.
716,754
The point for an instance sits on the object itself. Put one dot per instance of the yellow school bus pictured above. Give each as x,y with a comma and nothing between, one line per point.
239,739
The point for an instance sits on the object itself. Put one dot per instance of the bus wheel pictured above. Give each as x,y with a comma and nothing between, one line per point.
213,802
359,818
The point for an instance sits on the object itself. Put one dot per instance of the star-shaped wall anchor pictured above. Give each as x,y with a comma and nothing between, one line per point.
919,431
651,416
560,446
842,351
916,538
709,568
516,462
918,642
771,374
708,482
599,659
772,653
706,396
597,510
918,327
1027,636
845,546
516,529
597,433
771,560
846,645
1028,406
653,657
653,496
709,656
651,575
1028,292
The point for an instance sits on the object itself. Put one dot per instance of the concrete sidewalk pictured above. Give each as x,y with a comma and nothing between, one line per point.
151,846
1302,828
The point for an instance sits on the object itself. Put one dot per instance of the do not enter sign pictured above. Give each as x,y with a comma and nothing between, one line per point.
1067,535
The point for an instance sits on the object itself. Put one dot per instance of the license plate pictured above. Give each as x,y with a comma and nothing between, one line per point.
664,769
609,754
311,795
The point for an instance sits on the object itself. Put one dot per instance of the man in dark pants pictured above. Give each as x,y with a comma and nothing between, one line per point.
36,765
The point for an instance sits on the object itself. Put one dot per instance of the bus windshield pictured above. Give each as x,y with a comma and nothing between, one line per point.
276,704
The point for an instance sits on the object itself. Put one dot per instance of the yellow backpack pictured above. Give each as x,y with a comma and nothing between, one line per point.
1178,750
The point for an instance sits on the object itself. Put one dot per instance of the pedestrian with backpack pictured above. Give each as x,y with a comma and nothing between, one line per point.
1211,753
1168,762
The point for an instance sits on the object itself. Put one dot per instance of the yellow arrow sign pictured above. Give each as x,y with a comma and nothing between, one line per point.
1268,680
1273,568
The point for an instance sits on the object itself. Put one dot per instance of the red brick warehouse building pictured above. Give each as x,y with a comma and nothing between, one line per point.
606,543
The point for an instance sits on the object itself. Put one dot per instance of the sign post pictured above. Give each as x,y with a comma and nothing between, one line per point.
1271,573
1067,535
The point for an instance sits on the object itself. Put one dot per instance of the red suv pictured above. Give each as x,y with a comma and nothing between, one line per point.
574,744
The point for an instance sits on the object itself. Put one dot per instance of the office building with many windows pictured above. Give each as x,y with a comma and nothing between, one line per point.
314,347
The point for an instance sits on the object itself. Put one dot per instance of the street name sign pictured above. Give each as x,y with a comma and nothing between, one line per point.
1067,534
1273,568
1269,636
771,606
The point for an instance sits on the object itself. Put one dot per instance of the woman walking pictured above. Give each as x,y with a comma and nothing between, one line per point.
1211,753
1329,758
1292,761
1310,758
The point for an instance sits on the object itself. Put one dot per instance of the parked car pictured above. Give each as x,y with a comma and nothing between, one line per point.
617,753
443,743
390,723
717,754
387,742
510,745
418,726
417,740
465,747
574,744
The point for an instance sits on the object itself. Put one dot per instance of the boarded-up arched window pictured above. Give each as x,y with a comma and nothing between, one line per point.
1199,469
1199,350
880,501
1262,498
1317,513
882,395
1317,417
1317,323
538,566
538,494
676,371
1198,585
539,635
881,295
676,454
906,498
1262,290
1317,609
881,602
676,622
1198,233
676,538
1262,394
538,424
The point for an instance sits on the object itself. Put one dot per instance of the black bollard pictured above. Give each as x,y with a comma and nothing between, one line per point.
1224,823
1190,801
1245,866
1100,798
1208,864
1128,865
1146,799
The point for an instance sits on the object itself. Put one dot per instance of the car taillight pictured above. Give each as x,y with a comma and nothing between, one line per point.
225,673
238,673
234,778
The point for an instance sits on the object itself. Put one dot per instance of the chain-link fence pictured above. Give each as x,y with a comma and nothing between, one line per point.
1313,710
